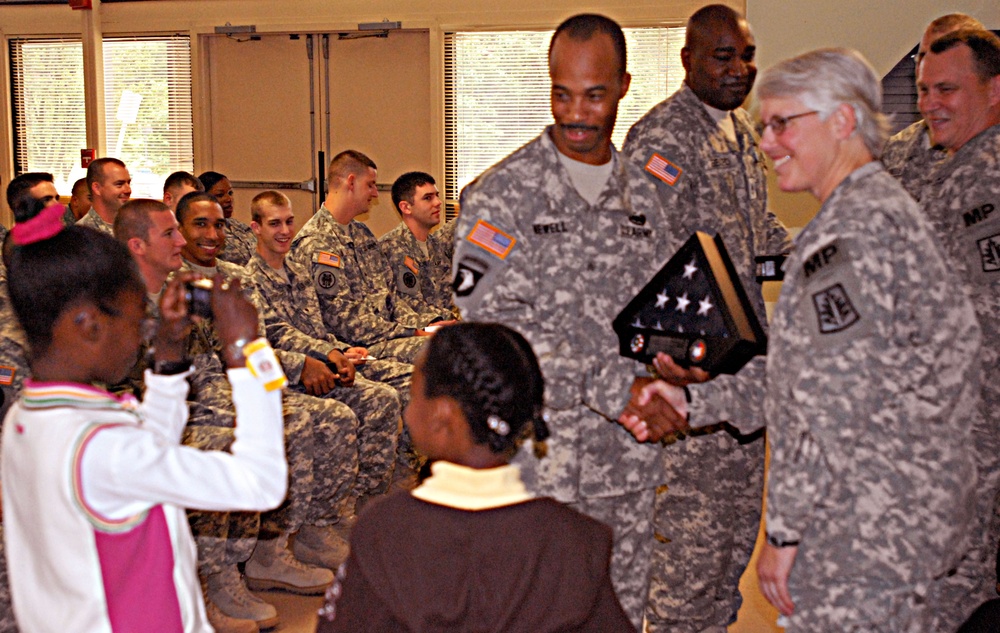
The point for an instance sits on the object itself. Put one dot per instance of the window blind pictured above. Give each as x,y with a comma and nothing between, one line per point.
147,83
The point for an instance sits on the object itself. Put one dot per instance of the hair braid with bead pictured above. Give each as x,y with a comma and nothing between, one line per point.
491,371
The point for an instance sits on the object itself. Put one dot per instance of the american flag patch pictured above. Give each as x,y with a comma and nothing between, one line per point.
328,259
412,265
663,169
492,239
7,375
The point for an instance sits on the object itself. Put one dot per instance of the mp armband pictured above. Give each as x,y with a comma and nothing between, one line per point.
264,365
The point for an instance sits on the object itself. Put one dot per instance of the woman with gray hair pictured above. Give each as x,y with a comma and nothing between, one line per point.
871,372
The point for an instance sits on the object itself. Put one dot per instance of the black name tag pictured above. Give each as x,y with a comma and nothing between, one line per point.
552,227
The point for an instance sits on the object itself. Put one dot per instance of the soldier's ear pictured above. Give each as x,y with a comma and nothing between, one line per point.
404,207
626,82
255,228
845,121
994,91
136,245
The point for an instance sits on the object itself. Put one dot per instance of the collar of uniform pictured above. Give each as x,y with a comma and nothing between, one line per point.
257,266
467,488
973,144
412,245
95,216
47,395
231,270
552,154
866,170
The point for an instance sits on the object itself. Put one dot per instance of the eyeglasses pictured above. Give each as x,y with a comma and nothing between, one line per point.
779,123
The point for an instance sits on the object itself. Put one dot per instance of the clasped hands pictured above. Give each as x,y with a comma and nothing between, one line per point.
658,406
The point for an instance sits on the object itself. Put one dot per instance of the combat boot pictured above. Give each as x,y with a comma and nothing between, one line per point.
222,623
230,594
272,566
324,546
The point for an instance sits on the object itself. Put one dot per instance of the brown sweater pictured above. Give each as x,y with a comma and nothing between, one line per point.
531,567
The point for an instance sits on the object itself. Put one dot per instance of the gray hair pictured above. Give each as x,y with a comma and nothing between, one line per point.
825,78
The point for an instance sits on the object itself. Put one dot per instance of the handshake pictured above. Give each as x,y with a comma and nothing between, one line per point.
658,406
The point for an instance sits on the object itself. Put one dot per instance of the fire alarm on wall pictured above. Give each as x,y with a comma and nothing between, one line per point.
80,4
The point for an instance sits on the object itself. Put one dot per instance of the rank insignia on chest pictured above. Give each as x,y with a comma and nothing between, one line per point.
695,310
663,169
328,259
490,238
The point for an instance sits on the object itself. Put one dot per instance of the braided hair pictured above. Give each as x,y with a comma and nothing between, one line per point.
492,372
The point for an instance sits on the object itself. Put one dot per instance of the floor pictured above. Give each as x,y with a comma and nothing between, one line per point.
298,613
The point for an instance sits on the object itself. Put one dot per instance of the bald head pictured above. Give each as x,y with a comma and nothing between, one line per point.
710,17
719,57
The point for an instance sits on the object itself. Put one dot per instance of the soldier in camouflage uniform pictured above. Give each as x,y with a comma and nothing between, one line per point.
441,246
110,187
910,155
961,197
13,349
240,240
421,273
177,185
224,539
321,433
554,241
708,513
295,326
350,274
38,185
13,346
872,372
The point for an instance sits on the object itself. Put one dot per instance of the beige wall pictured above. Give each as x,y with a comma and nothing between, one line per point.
401,131
883,30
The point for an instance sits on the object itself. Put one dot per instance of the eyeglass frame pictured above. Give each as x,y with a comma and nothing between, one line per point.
779,124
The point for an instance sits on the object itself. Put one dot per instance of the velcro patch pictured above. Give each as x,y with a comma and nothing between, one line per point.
491,239
412,265
468,275
7,373
328,259
834,310
663,169
989,253
824,259
406,281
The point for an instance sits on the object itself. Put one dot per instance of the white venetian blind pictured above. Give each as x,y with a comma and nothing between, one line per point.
497,92
147,96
